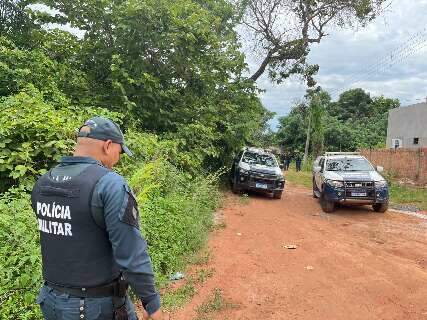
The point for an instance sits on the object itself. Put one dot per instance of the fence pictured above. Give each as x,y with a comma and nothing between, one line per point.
401,163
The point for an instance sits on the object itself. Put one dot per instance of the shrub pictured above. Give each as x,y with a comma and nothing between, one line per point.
20,260
34,135
176,212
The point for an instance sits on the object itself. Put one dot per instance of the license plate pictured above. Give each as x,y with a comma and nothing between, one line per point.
358,194
261,185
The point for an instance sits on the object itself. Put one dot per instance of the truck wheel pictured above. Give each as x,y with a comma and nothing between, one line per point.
277,195
315,190
235,188
327,206
380,207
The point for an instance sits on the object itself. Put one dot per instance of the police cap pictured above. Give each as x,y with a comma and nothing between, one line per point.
104,129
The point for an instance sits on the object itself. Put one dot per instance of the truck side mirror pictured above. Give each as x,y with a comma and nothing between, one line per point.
380,169
317,169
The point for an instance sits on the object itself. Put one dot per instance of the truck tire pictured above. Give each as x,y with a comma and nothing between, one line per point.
327,205
380,207
277,195
235,188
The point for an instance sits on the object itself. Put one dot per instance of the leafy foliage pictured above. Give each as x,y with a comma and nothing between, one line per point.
20,263
176,211
35,134
173,67
354,121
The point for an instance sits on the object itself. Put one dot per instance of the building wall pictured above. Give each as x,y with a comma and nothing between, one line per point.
401,163
407,123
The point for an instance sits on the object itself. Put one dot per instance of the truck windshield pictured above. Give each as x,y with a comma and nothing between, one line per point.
348,164
260,159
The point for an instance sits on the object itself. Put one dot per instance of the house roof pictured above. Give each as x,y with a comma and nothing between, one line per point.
409,108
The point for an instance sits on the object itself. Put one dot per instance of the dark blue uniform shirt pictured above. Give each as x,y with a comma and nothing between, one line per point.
110,199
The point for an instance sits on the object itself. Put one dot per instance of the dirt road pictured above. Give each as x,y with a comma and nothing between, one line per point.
350,265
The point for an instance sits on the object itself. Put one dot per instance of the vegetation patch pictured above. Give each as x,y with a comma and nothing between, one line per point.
401,194
173,299
214,304
300,178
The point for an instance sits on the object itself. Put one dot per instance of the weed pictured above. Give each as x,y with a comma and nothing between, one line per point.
244,198
215,303
204,274
200,258
220,225
174,299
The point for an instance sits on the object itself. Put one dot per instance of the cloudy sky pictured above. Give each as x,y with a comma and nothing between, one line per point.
388,57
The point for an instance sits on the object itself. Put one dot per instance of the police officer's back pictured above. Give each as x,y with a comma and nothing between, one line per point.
89,233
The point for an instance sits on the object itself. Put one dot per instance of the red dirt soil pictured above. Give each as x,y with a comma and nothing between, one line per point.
350,265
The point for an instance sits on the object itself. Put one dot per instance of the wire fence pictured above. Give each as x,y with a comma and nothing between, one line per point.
404,164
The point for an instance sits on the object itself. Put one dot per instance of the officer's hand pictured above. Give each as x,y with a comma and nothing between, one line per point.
158,315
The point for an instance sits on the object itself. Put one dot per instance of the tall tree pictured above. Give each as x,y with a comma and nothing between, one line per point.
282,31
353,104
174,67
319,100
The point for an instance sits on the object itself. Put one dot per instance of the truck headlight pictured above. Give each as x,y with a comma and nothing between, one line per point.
335,183
381,184
243,172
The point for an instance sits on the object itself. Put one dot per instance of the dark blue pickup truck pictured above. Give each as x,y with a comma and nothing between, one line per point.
348,178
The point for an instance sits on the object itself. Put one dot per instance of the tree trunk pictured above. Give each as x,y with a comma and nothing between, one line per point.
307,140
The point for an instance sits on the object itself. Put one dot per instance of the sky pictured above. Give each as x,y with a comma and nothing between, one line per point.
388,57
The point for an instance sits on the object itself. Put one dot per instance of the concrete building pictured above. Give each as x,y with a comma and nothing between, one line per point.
407,127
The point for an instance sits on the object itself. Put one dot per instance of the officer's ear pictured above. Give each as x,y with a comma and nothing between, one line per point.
107,146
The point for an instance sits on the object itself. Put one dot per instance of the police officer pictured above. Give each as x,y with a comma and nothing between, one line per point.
298,160
89,233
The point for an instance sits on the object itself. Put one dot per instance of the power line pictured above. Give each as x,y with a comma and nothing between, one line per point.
413,45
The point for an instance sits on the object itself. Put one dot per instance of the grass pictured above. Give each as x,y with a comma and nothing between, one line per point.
244,199
399,194
204,274
199,258
301,178
214,304
174,299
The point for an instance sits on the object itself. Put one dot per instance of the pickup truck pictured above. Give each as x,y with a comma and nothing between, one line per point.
348,178
257,170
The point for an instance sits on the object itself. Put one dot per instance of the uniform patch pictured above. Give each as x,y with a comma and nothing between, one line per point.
131,214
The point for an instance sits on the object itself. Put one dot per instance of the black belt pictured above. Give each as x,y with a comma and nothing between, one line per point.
93,292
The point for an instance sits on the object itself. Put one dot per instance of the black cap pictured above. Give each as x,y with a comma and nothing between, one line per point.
105,129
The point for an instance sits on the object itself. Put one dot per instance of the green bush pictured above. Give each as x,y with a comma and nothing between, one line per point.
20,260
34,135
148,147
176,212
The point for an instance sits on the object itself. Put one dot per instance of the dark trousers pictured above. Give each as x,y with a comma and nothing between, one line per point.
61,306
298,165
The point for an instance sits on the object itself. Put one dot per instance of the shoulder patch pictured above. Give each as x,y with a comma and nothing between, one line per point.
131,214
